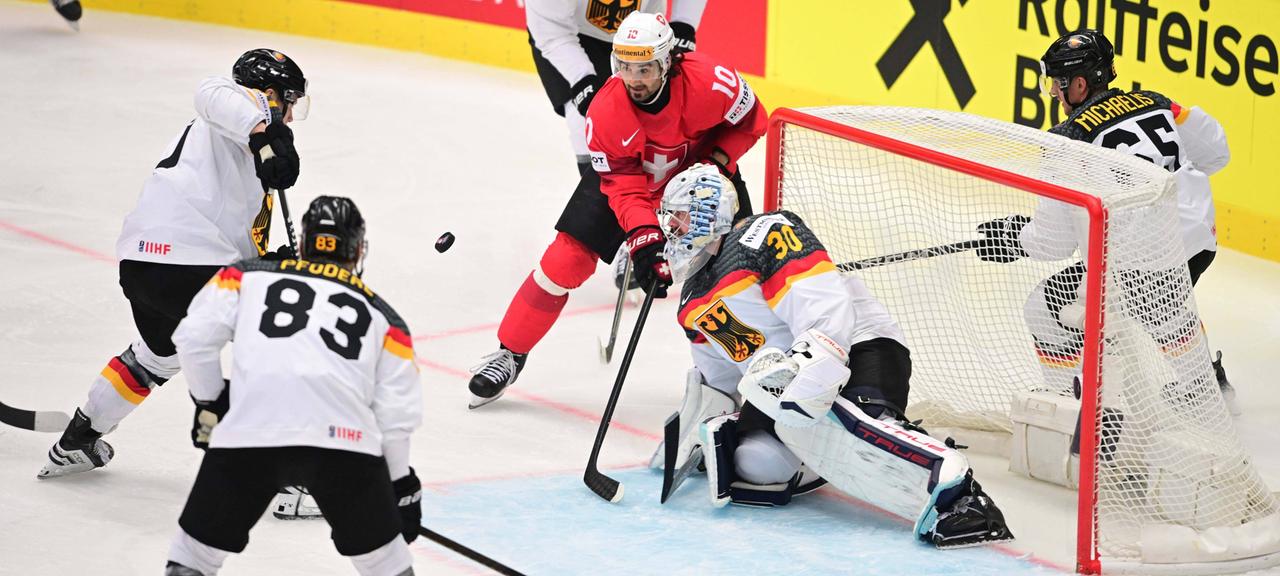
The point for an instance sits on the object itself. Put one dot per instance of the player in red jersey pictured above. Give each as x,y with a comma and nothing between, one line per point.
658,114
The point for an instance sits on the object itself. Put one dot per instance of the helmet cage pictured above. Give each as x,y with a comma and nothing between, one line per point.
697,210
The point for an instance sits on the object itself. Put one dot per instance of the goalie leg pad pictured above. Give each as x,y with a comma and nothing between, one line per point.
719,439
700,403
762,459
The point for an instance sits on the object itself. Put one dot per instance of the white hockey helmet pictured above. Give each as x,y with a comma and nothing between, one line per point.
643,37
697,209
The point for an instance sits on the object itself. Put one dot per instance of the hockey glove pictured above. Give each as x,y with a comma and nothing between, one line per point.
207,416
686,37
409,498
583,92
284,252
645,245
1002,239
274,157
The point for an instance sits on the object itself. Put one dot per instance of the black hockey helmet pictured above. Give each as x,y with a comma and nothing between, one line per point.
1085,52
263,68
333,230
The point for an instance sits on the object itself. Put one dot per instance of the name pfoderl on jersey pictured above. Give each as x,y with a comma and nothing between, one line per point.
327,270
1102,112
759,229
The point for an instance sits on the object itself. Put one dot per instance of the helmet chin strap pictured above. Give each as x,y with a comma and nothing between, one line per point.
658,92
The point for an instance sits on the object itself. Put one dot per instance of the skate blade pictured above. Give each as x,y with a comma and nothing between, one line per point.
52,470
973,541
291,517
478,401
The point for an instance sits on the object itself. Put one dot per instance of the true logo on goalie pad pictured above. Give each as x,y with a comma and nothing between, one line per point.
739,340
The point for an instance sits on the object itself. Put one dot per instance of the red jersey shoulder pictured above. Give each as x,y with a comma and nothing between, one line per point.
612,126
714,93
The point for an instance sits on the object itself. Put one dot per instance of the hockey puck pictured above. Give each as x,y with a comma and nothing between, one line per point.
444,242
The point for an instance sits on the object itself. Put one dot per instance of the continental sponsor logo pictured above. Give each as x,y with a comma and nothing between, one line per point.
607,15
633,53
327,270
1195,42
739,340
1097,114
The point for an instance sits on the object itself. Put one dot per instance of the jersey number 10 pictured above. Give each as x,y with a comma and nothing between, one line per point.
298,314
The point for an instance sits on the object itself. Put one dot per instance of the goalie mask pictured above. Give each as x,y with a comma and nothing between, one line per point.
697,210
333,231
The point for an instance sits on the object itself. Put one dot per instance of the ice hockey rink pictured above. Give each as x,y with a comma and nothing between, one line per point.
424,145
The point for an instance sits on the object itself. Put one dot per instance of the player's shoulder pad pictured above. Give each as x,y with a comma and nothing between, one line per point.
699,73
766,242
1158,100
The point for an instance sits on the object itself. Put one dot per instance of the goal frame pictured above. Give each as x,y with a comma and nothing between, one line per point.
1087,560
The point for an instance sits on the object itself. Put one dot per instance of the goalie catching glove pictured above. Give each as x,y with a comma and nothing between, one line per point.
807,378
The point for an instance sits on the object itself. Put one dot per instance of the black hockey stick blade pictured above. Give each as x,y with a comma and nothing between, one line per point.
477,557
36,421
604,486
913,255
672,478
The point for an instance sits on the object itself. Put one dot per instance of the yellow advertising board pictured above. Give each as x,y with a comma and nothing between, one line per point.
977,56
981,57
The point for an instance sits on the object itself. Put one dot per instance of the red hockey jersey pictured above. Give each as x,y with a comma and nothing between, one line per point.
635,151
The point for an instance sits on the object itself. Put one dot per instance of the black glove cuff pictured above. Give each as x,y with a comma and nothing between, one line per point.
584,91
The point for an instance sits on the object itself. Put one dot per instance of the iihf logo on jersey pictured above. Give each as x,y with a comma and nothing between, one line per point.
344,433
153,247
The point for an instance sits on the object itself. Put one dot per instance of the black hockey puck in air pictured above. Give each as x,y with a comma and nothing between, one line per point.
444,241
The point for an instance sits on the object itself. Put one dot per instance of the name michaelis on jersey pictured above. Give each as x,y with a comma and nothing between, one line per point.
326,269
1097,114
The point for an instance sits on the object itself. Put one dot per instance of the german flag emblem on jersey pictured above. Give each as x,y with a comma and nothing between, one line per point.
398,343
739,340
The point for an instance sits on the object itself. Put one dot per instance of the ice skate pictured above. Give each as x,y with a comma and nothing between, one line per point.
1228,391
295,503
69,9
80,449
492,377
972,520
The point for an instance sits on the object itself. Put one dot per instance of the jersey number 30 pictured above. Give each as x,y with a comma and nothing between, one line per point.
296,314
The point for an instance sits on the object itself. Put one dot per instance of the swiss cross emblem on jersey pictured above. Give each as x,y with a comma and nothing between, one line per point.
662,162
607,15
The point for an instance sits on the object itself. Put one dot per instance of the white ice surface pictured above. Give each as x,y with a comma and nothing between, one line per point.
424,146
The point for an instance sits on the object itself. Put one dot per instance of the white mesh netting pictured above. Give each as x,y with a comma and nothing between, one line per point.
1168,458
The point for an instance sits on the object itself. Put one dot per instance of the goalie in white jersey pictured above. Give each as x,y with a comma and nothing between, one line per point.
204,206
770,317
323,393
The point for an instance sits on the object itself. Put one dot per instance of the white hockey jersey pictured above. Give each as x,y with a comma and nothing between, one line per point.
771,281
204,204
317,360
1186,141
555,25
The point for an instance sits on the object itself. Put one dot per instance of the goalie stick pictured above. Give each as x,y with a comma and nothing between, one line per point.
604,486
671,477
606,351
915,255
37,421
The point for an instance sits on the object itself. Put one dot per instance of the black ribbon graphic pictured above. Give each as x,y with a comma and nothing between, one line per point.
927,26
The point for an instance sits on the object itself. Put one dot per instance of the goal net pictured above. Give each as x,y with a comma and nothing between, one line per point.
1099,295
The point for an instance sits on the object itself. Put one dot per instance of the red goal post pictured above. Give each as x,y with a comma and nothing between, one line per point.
877,180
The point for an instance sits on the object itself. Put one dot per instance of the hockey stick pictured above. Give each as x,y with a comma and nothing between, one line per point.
915,255
602,485
606,351
672,478
266,154
37,421
477,557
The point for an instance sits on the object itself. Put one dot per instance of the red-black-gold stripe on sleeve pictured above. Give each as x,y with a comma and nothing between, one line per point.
398,343
228,278
777,285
